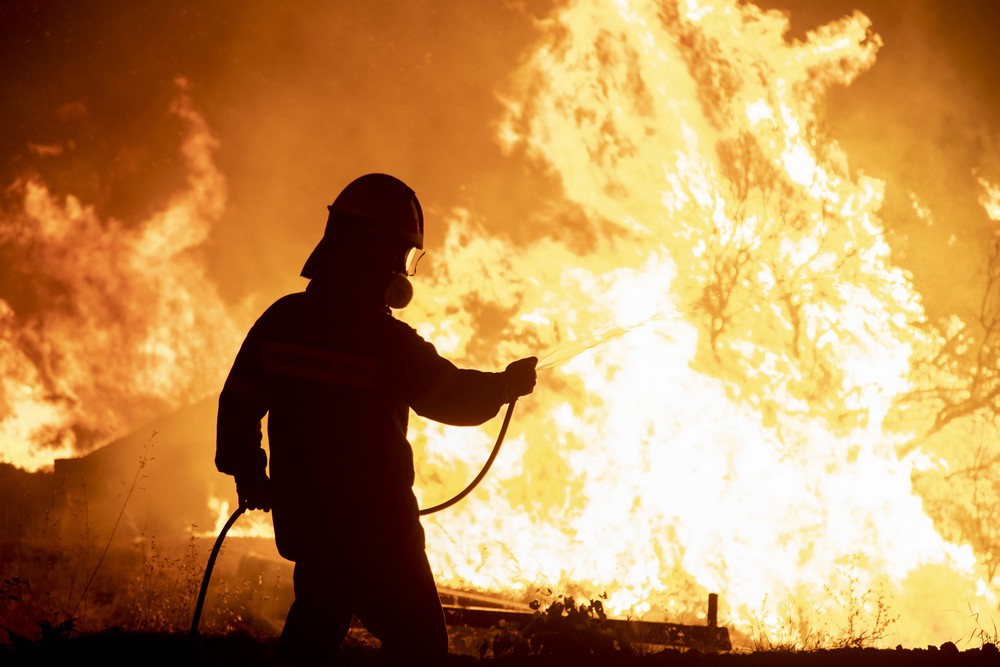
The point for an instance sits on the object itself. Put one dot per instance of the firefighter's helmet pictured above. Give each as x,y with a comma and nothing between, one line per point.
382,203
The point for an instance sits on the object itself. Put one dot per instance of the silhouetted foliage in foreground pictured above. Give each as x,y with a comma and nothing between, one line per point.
114,647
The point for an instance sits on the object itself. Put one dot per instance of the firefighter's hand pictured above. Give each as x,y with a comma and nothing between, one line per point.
254,490
520,376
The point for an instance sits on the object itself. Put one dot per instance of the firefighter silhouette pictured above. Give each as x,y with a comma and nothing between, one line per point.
336,374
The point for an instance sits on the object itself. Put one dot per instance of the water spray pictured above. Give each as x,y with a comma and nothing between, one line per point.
599,337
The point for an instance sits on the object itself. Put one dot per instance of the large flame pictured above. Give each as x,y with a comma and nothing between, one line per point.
728,432
727,350
114,323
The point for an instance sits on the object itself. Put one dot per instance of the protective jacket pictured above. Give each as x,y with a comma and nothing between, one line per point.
336,379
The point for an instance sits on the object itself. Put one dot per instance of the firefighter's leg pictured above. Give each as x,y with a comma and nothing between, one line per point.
403,610
319,617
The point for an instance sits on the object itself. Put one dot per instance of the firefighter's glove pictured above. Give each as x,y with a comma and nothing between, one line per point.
252,485
254,490
520,376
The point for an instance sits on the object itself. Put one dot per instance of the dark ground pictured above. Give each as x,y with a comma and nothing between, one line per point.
159,649
249,641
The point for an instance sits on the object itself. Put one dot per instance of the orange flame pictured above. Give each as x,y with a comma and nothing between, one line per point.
722,365
115,323
745,447
719,370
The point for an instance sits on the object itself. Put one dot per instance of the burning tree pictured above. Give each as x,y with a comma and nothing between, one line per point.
764,411
747,408
953,413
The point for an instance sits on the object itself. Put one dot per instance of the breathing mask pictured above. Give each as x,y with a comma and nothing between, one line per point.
399,291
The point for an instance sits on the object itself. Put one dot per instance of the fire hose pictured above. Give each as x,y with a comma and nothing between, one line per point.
193,634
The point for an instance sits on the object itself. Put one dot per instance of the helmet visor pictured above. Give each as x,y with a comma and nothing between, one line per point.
413,257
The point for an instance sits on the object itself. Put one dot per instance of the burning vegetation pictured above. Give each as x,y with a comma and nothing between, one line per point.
742,390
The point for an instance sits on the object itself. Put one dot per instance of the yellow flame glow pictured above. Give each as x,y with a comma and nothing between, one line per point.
990,198
723,334
731,434
132,328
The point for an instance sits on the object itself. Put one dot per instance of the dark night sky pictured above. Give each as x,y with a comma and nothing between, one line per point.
304,96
